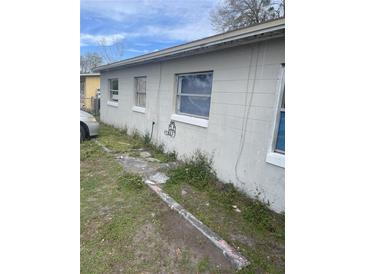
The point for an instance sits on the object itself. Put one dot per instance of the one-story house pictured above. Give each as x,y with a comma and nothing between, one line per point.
223,95
89,87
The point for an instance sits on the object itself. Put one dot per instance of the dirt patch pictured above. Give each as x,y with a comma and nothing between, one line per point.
185,237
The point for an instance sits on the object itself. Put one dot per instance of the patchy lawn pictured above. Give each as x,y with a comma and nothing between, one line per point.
247,224
125,228
119,141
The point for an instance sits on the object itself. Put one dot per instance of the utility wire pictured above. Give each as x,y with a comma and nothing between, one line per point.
247,111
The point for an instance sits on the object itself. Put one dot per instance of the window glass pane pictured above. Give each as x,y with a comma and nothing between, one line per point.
114,84
283,100
141,85
141,100
280,141
195,105
196,84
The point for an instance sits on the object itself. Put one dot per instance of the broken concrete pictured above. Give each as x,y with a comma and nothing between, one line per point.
150,159
139,166
159,178
145,154
153,176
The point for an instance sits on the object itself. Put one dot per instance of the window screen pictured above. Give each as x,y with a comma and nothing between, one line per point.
140,91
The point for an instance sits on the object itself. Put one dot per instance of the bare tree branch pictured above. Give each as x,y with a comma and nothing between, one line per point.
111,51
235,14
89,61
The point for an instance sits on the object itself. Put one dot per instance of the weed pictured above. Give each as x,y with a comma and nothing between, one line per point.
124,130
197,171
257,212
131,181
135,134
171,156
147,138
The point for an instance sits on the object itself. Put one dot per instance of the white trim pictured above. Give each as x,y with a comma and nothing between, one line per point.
90,74
273,157
190,120
112,103
276,159
139,109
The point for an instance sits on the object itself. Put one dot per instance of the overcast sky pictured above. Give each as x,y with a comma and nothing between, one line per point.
144,25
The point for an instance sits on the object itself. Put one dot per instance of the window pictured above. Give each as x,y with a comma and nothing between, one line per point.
113,89
140,91
280,135
193,94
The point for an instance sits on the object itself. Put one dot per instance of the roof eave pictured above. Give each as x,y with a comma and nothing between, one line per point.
253,34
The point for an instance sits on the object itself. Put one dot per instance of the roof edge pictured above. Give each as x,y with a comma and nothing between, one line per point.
246,32
90,74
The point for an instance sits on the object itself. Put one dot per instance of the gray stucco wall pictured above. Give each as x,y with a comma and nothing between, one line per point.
238,73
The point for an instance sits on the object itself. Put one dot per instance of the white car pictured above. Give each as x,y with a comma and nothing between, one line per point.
88,126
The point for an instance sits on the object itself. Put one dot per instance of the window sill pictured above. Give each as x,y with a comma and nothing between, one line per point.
276,159
190,120
139,109
112,103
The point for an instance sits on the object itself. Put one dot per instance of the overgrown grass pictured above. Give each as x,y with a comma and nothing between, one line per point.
246,223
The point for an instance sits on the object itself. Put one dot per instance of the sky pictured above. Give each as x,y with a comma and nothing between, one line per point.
143,26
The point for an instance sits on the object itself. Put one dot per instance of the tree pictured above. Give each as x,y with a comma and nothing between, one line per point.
233,14
89,61
111,50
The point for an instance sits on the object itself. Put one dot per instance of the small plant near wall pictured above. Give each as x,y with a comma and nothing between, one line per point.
258,213
135,134
197,170
147,138
124,130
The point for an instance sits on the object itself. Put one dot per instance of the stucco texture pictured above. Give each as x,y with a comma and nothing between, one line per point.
242,113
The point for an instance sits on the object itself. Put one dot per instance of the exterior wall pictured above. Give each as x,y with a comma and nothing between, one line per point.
92,83
238,73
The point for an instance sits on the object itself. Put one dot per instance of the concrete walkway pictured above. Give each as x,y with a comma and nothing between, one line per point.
153,173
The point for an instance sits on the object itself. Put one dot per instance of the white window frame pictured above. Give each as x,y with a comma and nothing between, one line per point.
112,96
136,93
179,94
273,156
